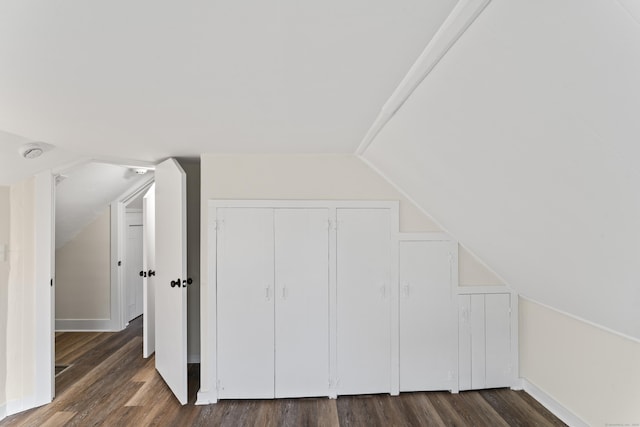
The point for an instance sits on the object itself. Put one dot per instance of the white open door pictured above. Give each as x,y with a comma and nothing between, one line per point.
148,267
171,277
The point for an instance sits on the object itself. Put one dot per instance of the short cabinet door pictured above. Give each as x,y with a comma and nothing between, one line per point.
484,341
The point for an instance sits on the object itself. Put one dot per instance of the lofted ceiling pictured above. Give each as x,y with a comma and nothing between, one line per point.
150,79
84,192
521,139
523,143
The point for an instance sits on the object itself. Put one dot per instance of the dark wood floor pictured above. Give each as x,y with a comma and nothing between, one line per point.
109,383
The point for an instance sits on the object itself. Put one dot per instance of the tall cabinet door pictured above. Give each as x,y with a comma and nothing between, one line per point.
245,309
363,299
301,302
427,330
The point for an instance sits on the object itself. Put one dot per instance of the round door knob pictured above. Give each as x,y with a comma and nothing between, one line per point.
175,283
187,282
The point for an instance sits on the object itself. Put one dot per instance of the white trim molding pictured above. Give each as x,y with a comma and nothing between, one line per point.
459,20
85,325
555,407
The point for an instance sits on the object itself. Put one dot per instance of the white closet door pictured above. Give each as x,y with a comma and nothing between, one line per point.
302,302
498,340
363,298
245,305
427,335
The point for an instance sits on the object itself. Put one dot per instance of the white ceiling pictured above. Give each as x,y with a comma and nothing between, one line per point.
14,168
86,191
522,141
150,79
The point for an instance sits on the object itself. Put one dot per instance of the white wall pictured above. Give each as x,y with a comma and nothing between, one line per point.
523,144
593,373
523,148
21,316
4,284
83,274
342,177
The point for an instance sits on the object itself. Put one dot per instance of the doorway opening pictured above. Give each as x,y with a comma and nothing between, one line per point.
98,248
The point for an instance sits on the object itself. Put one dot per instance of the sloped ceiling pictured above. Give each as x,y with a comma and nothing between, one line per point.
523,143
84,193
14,168
150,79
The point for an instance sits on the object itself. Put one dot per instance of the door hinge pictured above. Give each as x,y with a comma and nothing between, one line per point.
333,383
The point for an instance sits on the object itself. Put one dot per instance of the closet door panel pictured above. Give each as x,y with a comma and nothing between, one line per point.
245,306
478,354
498,340
427,335
302,302
363,301
464,342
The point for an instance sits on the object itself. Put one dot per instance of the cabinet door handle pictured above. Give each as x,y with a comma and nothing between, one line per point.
266,292
406,290
383,291
284,292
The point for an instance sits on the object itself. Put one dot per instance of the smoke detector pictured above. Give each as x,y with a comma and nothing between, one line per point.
31,150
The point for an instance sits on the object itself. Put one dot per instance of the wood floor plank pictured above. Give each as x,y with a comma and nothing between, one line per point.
419,410
59,419
110,384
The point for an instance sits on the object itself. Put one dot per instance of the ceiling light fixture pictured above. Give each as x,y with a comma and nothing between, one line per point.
31,150
140,171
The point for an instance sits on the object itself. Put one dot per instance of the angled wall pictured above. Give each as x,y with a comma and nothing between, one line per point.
522,143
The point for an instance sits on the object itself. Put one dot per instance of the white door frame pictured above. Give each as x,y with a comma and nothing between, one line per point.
44,296
118,254
44,302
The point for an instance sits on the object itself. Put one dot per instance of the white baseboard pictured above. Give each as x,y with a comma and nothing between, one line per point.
85,325
206,398
3,411
555,407
18,405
